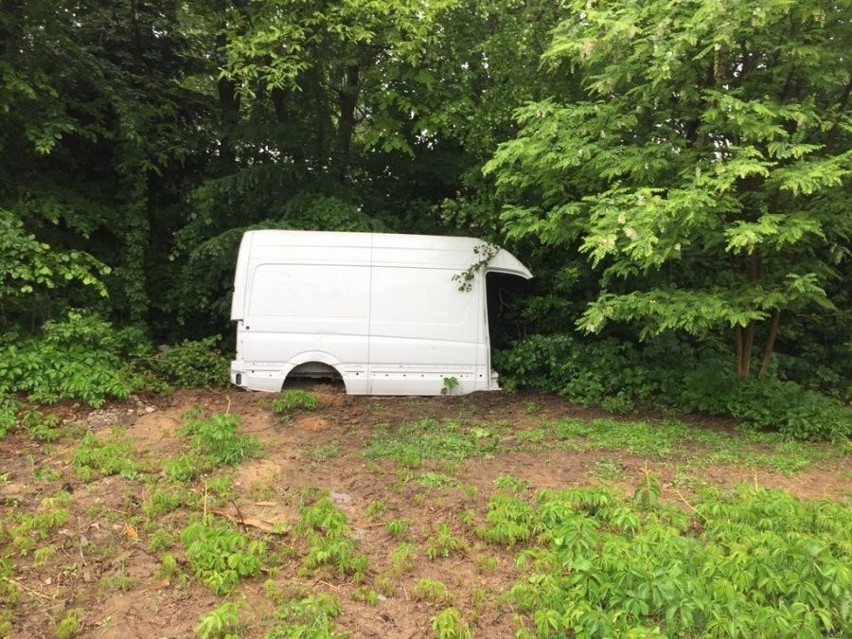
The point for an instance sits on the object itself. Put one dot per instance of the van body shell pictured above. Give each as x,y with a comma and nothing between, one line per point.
381,310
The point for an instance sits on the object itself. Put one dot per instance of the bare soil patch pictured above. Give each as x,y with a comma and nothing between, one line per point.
104,562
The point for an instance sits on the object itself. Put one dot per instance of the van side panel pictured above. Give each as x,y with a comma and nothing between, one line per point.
422,329
386,311
305,303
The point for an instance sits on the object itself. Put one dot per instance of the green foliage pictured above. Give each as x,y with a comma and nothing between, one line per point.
613,373
375,508
291,400
79,359
436,480
114,456
323,452
187,467
402,557
449,385
190,364
429,439
433,591
311,617
25,531
329,539
219,555
725,569
450,624
768,403
223,622
42,428
9,408
71,623
605,371
367,595
510,520
29,265
443,542
216,437
398,527
690,237
640,438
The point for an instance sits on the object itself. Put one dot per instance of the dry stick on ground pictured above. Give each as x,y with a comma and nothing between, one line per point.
17,583
250,521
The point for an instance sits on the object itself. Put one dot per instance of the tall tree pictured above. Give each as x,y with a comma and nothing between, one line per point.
94,125
706,170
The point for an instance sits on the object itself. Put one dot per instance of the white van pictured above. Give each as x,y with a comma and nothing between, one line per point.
381,311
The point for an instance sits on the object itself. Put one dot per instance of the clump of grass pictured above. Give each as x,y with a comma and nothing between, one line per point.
431,439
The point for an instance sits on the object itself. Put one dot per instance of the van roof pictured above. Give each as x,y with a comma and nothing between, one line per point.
392,249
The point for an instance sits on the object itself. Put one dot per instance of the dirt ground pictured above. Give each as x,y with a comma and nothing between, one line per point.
106,534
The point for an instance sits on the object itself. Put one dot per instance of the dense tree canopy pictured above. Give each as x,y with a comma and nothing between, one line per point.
663,167
706,168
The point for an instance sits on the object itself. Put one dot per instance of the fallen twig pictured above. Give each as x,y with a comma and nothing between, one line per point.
17,583
251,521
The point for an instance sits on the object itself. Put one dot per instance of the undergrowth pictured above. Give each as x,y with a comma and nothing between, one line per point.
430,439
749,563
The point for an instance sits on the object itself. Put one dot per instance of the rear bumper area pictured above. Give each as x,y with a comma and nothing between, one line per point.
268,381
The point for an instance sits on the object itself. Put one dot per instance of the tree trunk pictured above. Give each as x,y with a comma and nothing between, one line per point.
770,342
346,126
229,99
745,342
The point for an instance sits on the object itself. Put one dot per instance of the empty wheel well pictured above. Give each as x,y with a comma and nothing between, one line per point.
313,371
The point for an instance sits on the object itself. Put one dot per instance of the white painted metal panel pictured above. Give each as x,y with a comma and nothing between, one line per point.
383,310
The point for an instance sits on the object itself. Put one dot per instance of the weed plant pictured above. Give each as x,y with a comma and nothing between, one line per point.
749,563
311,617
217,438
70,624
430,439
223,622
450,624
330,542
662,440
114,456
219,555
323,452
25,531
292,400
433,591
443,542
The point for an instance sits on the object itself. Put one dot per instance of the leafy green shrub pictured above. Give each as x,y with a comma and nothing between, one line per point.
9,407
190,364
767,403
606,370
223,622
220,556
291,400
217,438
106,456
747,563
311,617
329,539
449,624
71,623
79,358
613,373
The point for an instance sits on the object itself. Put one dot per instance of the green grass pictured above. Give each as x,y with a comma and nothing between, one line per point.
676,440
446,440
